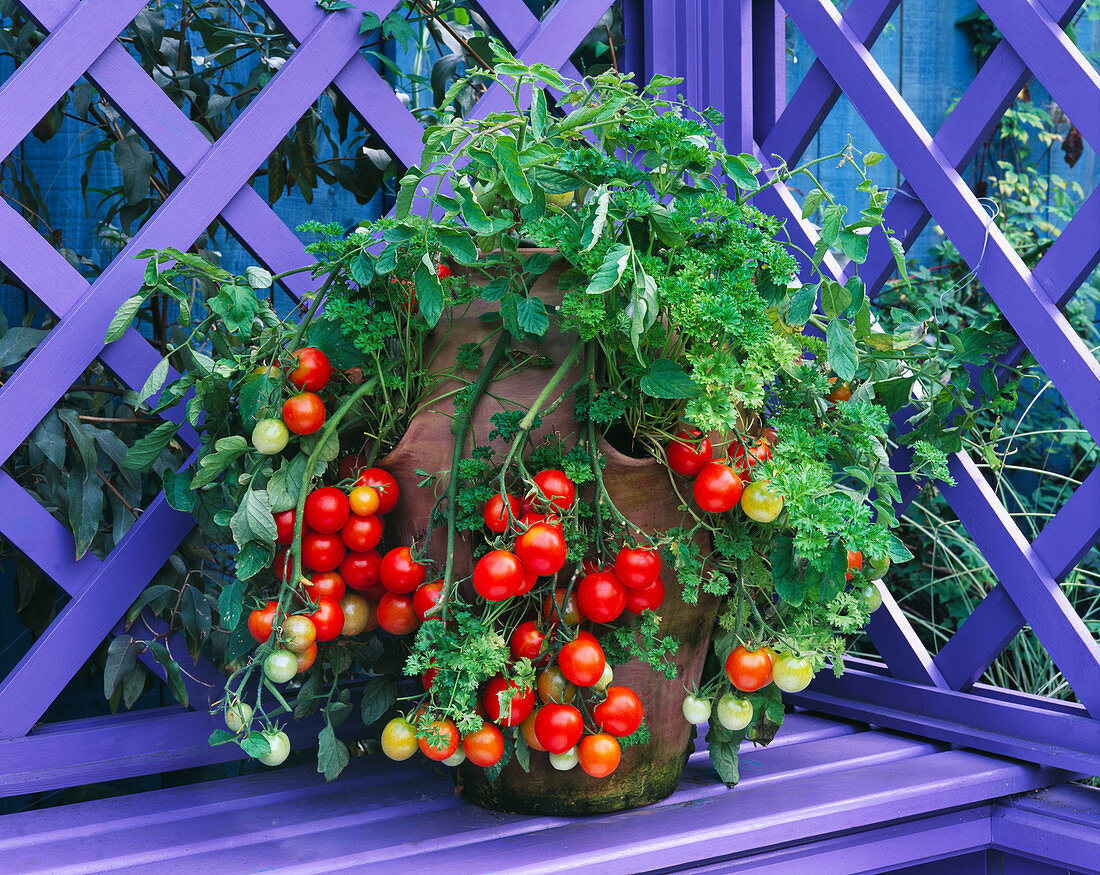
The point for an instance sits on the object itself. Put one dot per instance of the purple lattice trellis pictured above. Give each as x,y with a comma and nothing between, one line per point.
731,54
82,39
911,689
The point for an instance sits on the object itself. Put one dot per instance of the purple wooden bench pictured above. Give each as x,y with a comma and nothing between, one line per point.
830,796
826,796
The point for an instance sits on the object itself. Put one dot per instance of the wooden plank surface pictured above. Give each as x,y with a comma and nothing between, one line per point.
821,777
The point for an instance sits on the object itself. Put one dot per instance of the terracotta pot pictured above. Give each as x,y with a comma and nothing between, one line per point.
640,489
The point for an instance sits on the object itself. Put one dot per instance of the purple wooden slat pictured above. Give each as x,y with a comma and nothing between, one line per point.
632,57
61,59
36,385
727,33
1059,350
371,97
1029,732
817,93
978,111
157,740
940,839
1072,843
58,285
1023,574
769,66
1056,62
84,622
899,645
516,24
50,545
175,136
996,620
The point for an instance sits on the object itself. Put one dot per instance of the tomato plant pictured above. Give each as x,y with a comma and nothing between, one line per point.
325,584
261,620
648,599
426,597
364,500
284,526
358,614
527,641
299,633
696,709
280,666
361,571
733,712
792,674
322,551
553,687
278,748
399,740
441,740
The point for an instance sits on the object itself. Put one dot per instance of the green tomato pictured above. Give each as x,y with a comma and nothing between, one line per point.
760,503
560,200
563,762
733,712
792,674
280,666
876,569
457,758
872,597
279,743
696,709
270,436
238,715
399,739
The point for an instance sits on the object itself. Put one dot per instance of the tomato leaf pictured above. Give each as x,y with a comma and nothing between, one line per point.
802,305
379,695
854,245
523,752
738,170
253,520
785,576
119,322
173,675
361,269
407,192
255,744
841,345
332,754
722,745
211,466
241,640
835,298
610,271
85,509
121,660
253,558
508,161
177,490
531,316
831,223
667,379
812,202
429,294
231,604
458,244
595,229
221,736
493,771
285,485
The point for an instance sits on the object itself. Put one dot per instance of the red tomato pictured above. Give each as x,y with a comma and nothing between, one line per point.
428,678
529,581
327,510
558,727
687,454
855,563
582,661
542,549
313,369
637,567
749,670
496,520
620,713
388,491
261,620
743,462
350,466
442,740
443,271
520,706
601,597
527,641
599,754
360,570
304,413
717,488
842,391
329,620
498,575
284,527
484,747
361,533
306,659
648,599
567,606
281,562
556,487
400,572
396,614
325,585
770,436
322,552
426,597
533,519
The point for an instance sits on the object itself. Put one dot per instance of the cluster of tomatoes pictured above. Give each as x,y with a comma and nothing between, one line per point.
720,485
340,532
551,712
749,671
303,412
